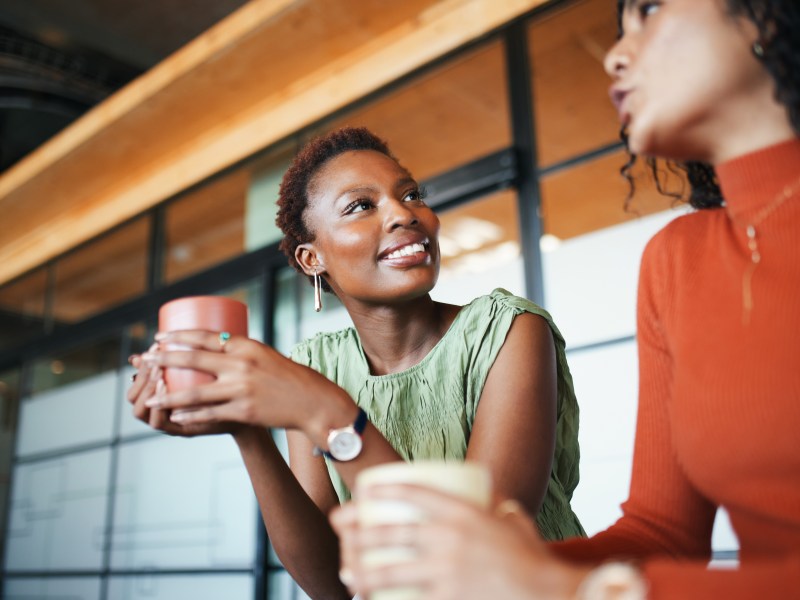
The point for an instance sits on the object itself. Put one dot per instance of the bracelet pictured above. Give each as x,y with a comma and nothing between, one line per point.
613,581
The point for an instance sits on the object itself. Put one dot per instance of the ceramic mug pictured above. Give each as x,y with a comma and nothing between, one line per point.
469,481
211,313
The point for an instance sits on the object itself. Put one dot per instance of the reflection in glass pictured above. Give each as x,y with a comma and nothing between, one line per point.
53,588
54,371
152,586
445,118
206,226
592,195
58,512
480,247
103,273
78,413
9,407
183,504
22,308
225,217
570,87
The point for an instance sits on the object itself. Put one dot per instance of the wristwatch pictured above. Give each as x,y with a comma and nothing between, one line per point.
613,581
345,443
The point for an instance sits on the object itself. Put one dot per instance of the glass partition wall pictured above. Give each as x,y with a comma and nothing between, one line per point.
517,144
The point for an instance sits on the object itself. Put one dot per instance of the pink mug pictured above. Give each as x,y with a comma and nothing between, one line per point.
211,313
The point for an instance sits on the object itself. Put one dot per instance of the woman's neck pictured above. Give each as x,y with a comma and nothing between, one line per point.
396,337
752,181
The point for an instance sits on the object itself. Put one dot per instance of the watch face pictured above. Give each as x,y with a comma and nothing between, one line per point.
344,444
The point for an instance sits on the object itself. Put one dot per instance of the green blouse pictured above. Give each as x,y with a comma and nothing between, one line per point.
427,411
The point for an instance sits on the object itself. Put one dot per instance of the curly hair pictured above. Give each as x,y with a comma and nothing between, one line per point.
777,22
294,189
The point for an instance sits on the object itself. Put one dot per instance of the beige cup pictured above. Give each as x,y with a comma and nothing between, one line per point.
212,313
469,481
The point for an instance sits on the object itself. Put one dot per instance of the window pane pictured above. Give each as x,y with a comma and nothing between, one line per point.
22,308
570,88
67,416
52,588
183,504
225,217
58,512
445,118
591,243
592,196
606,386
58,370
480,249
102,274
170,587
9,407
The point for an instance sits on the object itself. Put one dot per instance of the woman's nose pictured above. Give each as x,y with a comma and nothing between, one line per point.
399,214
617,59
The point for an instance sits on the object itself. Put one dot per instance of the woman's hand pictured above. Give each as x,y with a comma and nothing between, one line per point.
255,385
462,552
148,383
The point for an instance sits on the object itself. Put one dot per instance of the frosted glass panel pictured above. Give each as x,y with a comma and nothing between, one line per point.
462,288
57,588
282,587
58,512
196,587
590,280
606,383
77,413
183,503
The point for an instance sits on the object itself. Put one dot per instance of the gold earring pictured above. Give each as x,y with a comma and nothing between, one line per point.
317,292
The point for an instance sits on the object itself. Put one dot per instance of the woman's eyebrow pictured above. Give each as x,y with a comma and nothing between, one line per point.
404,181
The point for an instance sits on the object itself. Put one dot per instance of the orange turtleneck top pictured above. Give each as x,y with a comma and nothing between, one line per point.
719,395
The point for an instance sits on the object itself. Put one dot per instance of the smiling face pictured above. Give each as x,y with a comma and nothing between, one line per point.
686,83
375,240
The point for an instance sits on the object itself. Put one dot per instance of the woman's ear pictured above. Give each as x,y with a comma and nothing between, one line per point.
308,259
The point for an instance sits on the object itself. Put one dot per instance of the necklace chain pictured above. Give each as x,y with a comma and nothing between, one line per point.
752,244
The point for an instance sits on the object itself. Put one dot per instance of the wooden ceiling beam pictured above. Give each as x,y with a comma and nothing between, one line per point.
212,104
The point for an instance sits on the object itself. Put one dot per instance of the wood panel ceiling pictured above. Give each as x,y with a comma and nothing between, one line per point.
269,69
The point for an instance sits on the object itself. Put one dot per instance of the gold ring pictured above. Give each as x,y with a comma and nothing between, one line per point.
224,338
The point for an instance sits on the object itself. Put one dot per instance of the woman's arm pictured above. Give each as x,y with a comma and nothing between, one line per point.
515,424
296,518
256,388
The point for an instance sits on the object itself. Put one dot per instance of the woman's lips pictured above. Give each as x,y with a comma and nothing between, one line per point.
412,254
618,97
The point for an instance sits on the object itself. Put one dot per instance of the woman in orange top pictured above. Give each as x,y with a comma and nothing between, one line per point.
714,81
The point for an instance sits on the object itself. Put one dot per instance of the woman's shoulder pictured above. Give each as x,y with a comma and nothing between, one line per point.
688,226
326,343
501,306
681,239
502,300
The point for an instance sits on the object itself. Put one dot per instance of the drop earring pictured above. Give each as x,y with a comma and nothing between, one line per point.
317,292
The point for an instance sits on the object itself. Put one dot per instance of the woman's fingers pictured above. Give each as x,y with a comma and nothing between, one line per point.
142,377
411,572
210,393
206,340
437,505
344,520
199,360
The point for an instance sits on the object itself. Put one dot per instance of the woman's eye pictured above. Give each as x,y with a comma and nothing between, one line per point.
414,196
358,206
648,9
